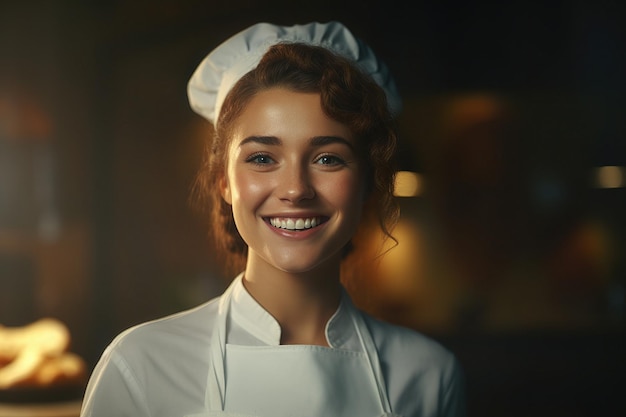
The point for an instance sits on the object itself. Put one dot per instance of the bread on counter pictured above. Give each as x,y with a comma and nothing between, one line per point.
36,355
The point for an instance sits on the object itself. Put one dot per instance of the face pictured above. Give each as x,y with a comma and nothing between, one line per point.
294,182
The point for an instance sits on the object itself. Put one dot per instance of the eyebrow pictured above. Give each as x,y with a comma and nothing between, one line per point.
316,141
327,140
263,140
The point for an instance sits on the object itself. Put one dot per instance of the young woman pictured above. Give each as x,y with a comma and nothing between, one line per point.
302,153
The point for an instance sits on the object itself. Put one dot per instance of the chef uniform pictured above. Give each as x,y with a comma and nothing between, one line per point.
224,358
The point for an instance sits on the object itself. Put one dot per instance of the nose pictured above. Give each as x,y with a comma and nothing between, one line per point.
296,184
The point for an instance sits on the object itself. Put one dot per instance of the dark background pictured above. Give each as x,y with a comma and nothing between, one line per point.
514,257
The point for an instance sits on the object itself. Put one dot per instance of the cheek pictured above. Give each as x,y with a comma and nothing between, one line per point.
347,191
246,187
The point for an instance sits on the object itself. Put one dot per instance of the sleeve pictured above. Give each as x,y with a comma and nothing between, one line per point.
453,401
113,390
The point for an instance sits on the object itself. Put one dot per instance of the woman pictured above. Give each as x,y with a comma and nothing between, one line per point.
302,153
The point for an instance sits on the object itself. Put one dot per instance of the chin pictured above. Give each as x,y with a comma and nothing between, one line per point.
297,265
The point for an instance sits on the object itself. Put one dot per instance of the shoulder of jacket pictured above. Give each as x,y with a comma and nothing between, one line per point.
196,322
400,341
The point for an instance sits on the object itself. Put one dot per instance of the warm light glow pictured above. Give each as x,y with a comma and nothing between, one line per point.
610,177
402,264
408,184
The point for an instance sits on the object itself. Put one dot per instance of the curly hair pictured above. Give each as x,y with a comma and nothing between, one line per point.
348,96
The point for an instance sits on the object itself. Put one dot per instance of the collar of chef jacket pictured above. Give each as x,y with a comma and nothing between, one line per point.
250,324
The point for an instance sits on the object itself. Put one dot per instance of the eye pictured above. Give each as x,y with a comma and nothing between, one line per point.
331,160
259,159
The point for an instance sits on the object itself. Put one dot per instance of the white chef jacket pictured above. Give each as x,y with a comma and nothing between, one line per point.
160,368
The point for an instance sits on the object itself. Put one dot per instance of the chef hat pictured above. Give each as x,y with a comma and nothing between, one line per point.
226,64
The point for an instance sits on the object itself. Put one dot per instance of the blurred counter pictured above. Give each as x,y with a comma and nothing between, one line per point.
64,409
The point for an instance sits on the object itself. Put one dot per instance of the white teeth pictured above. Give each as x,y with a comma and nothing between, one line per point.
295,224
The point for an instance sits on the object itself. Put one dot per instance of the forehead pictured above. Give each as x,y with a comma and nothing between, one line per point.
287,114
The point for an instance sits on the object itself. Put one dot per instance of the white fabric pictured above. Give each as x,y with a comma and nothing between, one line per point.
314,376
161,368
226,64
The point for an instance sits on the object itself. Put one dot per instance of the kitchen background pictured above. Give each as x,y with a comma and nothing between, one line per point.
512,249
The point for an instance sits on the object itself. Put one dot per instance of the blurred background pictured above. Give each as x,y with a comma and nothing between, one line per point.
512,247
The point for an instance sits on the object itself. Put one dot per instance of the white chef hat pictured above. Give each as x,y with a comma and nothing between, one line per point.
239,54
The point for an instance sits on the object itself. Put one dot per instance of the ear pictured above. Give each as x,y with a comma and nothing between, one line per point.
225,190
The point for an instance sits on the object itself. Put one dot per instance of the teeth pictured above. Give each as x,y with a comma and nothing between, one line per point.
295,224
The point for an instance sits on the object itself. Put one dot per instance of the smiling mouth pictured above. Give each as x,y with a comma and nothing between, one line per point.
296,224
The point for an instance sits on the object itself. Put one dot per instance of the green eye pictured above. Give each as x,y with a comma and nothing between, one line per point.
330,160
260,159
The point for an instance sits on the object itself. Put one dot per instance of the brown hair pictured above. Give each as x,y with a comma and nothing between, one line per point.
347,95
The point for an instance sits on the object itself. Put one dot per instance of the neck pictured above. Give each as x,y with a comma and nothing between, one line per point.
302,303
